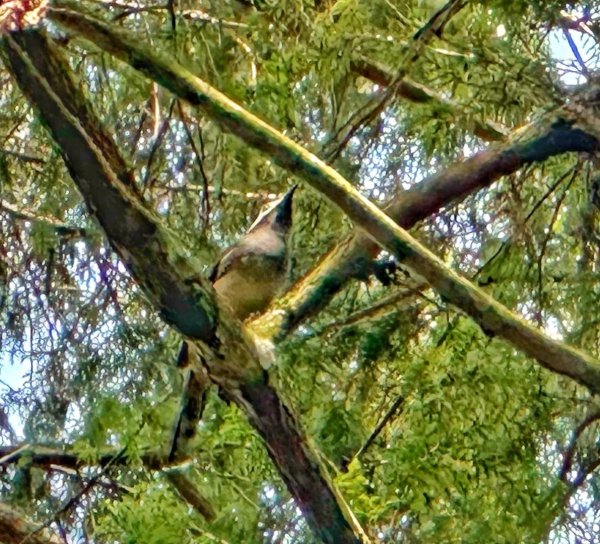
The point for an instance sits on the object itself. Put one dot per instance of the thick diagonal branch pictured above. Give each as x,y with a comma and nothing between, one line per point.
174,284
352,258
493,317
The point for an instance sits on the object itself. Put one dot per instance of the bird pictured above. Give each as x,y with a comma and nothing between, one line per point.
252,272
247,277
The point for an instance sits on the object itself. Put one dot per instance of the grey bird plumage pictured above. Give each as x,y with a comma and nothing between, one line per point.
247,277
252,272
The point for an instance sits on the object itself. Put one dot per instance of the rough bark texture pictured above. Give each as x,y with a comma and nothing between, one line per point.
175,286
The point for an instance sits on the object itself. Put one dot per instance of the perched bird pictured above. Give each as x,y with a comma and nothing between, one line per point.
251,273
247,277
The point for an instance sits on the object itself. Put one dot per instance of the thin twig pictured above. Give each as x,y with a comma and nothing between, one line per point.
28,215
164,128
75,499
389,302
386,418
536,206
172,15
433,27
575,52
200,158
570,452
23,157
545,241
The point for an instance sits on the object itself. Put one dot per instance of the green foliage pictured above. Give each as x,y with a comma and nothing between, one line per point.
158,522
473,414
473,451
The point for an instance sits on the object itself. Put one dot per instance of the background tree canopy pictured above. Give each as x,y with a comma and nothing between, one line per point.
408,409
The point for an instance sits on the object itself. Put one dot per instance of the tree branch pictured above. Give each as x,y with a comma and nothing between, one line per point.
188,492
108,189
420,94
396,405
74,500
570,451
55,459
367,113
352,258
439,20
45,457
175,285
196,382
28,215
16,529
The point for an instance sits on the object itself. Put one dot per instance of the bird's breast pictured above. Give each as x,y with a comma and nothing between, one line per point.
251,285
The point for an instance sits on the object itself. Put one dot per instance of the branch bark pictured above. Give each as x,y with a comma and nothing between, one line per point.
569,453
188,492
28,215
196,383
493,317
52,458
16,529
174,284
352,258
45,457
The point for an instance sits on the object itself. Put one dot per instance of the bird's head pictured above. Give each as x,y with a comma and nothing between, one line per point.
278,215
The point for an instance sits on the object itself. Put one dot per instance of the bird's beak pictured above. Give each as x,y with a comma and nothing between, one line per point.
287,198
284,209
285,204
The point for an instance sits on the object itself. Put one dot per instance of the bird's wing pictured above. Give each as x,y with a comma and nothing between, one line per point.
213,273
229,257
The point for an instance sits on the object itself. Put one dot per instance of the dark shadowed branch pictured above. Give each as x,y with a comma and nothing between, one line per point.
49,459
174,283
396,405
188,492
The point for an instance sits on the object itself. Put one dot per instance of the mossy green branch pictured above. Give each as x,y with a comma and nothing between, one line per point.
352,258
